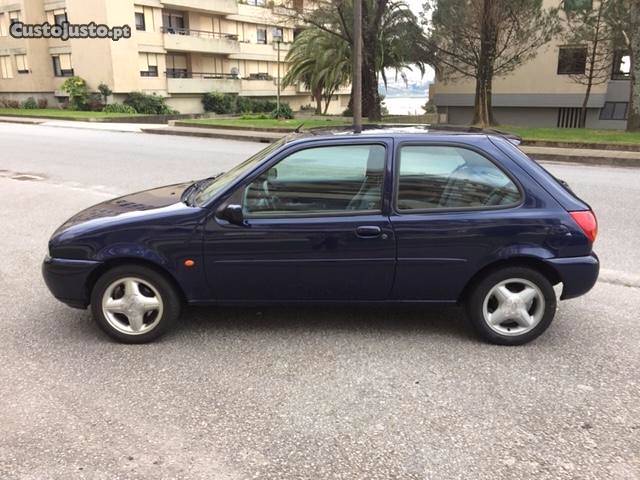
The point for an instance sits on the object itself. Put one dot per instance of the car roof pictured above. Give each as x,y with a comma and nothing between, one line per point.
400,130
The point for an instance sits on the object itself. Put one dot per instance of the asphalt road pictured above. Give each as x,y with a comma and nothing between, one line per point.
298,393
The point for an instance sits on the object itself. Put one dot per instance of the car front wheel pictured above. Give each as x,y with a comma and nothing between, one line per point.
134,304
512,306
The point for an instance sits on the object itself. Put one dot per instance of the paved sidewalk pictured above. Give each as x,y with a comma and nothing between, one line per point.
226,133
105,126
584,155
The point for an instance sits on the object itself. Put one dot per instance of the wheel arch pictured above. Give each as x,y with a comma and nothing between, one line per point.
122,261
534,263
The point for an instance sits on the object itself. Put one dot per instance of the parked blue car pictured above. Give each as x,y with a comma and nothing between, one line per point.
391,215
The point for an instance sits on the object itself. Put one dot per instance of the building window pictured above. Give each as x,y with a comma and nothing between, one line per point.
148,65
174,23
257,3
572,60
614,111
262,35
621,65
577,5
14,17
62,65
57,17
177,66
278,34
6,71
140,25
21,62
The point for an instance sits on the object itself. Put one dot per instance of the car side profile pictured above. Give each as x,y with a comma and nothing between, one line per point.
389,215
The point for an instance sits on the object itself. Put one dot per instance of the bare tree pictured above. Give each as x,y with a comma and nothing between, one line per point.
624,17
484,39
588,27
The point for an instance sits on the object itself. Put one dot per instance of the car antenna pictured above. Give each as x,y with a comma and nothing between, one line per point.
298,128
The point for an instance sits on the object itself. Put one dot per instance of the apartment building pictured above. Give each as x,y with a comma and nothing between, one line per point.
541,93
179,49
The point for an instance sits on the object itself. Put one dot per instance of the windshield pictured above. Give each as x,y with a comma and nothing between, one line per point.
236,172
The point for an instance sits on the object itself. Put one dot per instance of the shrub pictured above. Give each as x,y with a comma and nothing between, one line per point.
119,108
29,104
105,91
6,103
244,105
43,103
148,104
219,102
284,112
78,92
94,103
263,106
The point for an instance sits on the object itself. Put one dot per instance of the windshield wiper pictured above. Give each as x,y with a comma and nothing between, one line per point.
196,187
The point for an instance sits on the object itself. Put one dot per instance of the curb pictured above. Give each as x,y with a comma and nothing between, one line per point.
233,127
253,137
587,160
616,277
622,147
22,121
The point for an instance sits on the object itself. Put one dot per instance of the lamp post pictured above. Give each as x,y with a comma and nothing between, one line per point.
277,37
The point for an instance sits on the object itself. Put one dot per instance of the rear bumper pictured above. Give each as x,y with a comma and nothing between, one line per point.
578,274
67,279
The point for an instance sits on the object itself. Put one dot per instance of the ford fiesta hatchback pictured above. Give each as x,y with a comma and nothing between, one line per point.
391,215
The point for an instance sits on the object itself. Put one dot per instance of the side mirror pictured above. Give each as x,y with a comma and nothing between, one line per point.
233,214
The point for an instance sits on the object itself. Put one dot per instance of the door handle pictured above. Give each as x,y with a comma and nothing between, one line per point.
368,231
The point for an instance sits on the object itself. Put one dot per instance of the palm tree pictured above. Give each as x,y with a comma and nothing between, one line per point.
320,61
392,38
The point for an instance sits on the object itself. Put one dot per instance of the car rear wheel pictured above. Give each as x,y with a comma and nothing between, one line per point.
512,306
134,304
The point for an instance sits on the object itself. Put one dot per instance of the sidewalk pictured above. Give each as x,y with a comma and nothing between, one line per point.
572,155
104,126
584,155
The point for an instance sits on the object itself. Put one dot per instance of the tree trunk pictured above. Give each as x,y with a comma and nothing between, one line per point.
482,108
633,119
317,95
370,96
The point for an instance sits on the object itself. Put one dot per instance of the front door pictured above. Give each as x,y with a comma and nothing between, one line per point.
314,230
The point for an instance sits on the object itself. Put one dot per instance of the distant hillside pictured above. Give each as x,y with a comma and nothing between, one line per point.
398,89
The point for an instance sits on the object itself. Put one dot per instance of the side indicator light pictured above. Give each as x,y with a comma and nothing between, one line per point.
189,263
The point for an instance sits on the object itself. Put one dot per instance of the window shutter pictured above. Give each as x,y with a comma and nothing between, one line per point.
144,65
65,61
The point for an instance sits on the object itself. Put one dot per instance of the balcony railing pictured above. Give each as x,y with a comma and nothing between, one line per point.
181,73
198,33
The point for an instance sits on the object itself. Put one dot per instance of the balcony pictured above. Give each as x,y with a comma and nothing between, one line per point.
226,7
187,40
263,85
181,81
260,51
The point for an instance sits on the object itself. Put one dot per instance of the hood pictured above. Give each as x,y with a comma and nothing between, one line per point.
129,207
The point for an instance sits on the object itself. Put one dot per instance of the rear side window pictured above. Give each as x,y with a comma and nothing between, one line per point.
443,177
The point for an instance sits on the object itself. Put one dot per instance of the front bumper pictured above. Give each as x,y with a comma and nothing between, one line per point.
578,274
68,279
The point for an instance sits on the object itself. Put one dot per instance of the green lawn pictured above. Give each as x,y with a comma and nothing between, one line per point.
268,122
575,135
58,113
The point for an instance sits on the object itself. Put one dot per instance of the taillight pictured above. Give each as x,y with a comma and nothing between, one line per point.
587,221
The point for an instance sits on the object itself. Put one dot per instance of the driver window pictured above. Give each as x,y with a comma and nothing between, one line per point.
323,180
434,177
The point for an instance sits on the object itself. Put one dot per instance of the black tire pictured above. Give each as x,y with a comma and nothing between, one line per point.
475,305
170,300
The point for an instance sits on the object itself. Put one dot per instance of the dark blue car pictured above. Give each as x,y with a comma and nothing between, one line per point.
392,215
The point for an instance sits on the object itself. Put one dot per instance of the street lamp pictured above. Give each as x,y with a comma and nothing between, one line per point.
277,37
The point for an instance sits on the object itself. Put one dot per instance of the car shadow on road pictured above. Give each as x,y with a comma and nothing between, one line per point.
447,321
